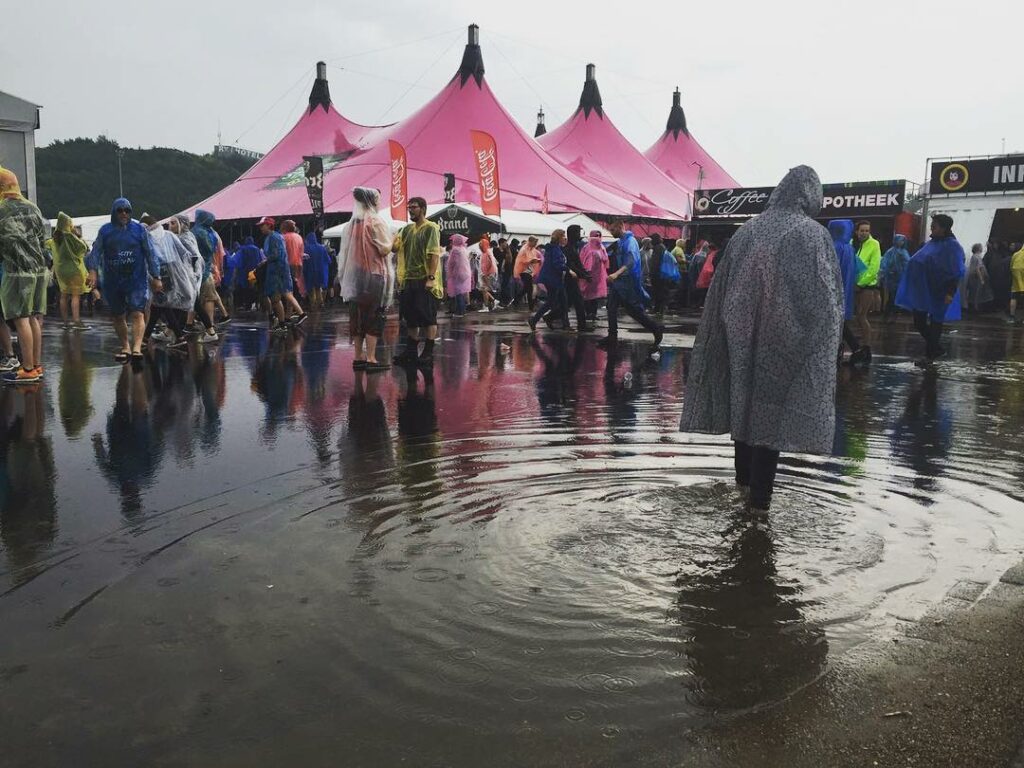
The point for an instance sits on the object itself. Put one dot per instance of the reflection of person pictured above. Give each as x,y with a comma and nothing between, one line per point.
74,389
923,435
763,367
747,642
419,440
28,477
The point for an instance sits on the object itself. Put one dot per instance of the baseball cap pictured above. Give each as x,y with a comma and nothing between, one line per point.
266,220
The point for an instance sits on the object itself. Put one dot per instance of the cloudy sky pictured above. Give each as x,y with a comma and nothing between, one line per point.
860,90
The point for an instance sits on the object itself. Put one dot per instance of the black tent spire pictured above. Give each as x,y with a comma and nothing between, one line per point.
590,99
472,59
541,128
677,118
320,96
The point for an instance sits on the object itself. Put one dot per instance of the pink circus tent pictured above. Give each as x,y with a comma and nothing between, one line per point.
590,145
679,155
437,141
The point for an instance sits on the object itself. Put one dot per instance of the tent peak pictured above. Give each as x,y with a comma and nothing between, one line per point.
676,117
590,99
541,128
472,59
320,95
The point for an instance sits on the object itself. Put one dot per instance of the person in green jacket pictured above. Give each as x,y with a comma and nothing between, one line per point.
869,296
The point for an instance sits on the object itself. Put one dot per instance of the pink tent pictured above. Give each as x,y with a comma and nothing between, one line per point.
679,155
437,141
590,145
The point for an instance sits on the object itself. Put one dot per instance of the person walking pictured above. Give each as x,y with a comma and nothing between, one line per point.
316,263
206,302
123,254
250,257
459,278
975,291
763,364
178,295
294,246
890,272
1016,285
418,247
488,284
930,286
528,262
626,289
23,288
850,268
552,277
868,298
594,258
576,278
69,251
277,280
366,279
661,285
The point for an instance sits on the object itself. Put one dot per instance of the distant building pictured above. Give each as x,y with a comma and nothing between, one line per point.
19,121
220,150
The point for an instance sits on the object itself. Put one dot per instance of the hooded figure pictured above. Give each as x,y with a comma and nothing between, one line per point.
250,258
69,252
594,258
850,267
975,288
316,263
365,275
763,364
23,234
176,272
125,258
459,280
206,238
188,239
894,263
933,273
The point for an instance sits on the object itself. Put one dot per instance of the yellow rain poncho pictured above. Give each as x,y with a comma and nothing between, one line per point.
68,251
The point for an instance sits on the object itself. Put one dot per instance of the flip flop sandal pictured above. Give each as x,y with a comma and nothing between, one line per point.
122,357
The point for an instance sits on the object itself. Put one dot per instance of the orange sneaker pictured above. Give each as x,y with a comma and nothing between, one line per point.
39,371
21,376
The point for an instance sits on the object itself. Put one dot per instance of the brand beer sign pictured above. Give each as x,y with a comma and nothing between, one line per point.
399,182
485,152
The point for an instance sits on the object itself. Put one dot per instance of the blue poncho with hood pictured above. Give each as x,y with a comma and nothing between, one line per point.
850,267
124,257
316,263
552,271
278,278
251,256
933,273
894,264
630,284
205,237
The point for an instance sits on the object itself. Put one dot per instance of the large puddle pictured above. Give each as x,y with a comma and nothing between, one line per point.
254,556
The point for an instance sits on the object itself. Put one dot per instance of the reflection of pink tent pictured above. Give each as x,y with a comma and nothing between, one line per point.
590,145
679,155
437,141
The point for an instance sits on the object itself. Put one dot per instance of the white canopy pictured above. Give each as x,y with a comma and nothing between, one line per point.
90,225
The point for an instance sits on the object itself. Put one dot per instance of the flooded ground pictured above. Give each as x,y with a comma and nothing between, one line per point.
251,555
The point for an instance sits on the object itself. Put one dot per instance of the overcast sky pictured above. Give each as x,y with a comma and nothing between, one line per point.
860,90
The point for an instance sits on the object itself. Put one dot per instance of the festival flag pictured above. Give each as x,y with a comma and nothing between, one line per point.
485,152
399,182
544,208
313,171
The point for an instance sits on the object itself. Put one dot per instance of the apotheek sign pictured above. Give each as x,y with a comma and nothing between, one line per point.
963,176
840,200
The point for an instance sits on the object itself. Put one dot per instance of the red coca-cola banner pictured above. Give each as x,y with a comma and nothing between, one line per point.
485,151
399,182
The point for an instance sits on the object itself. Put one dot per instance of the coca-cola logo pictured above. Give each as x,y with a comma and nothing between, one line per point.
397,179
488,165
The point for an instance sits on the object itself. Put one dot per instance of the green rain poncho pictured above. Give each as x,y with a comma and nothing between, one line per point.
68,251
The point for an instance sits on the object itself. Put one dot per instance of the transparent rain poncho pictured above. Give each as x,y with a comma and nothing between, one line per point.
365,272
188,239
176,271
460,275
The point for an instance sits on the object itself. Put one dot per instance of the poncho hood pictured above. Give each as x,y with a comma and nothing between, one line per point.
900,241
799,190
121,202
841,230
64,223
204,218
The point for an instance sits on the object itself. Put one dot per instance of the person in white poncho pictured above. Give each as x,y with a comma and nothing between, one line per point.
763,366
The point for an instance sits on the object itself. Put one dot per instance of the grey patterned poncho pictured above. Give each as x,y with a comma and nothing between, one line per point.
763,366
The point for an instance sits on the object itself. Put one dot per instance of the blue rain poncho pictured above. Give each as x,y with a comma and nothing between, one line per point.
176,273
250,258
206,238
125,259
316,263
630,284
850,267
894,264
552,271
278,279
933,273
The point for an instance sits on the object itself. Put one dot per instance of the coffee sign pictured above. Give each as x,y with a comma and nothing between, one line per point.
839,200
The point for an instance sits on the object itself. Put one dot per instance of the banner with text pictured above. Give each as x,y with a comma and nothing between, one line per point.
963,176
399,182
840,200
485,151
313,171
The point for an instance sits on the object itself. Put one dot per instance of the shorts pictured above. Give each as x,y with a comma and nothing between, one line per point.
366,319
125,297
418,304
277,280
208,290
23,295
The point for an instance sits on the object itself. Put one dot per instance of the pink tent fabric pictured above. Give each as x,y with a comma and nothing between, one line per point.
436,139
590,145
677,151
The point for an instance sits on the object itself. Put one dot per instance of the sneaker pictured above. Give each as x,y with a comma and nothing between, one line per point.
9,364
160,337
80,326
39,371
484,309
21,376
225,320
66,326
208,337
298,319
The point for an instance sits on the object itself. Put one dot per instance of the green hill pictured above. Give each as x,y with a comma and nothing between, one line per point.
79,176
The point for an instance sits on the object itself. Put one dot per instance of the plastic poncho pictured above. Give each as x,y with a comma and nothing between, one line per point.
763,366
488,270
218,257
365,272
459,279
206,239
316,262
850,267
278,278
630,284
1017,272
416,244
933,273
176,271
975,288
124,257
524,257
552,272
23,231
195,257
707,269
893,264
595,261
69,251
250,257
